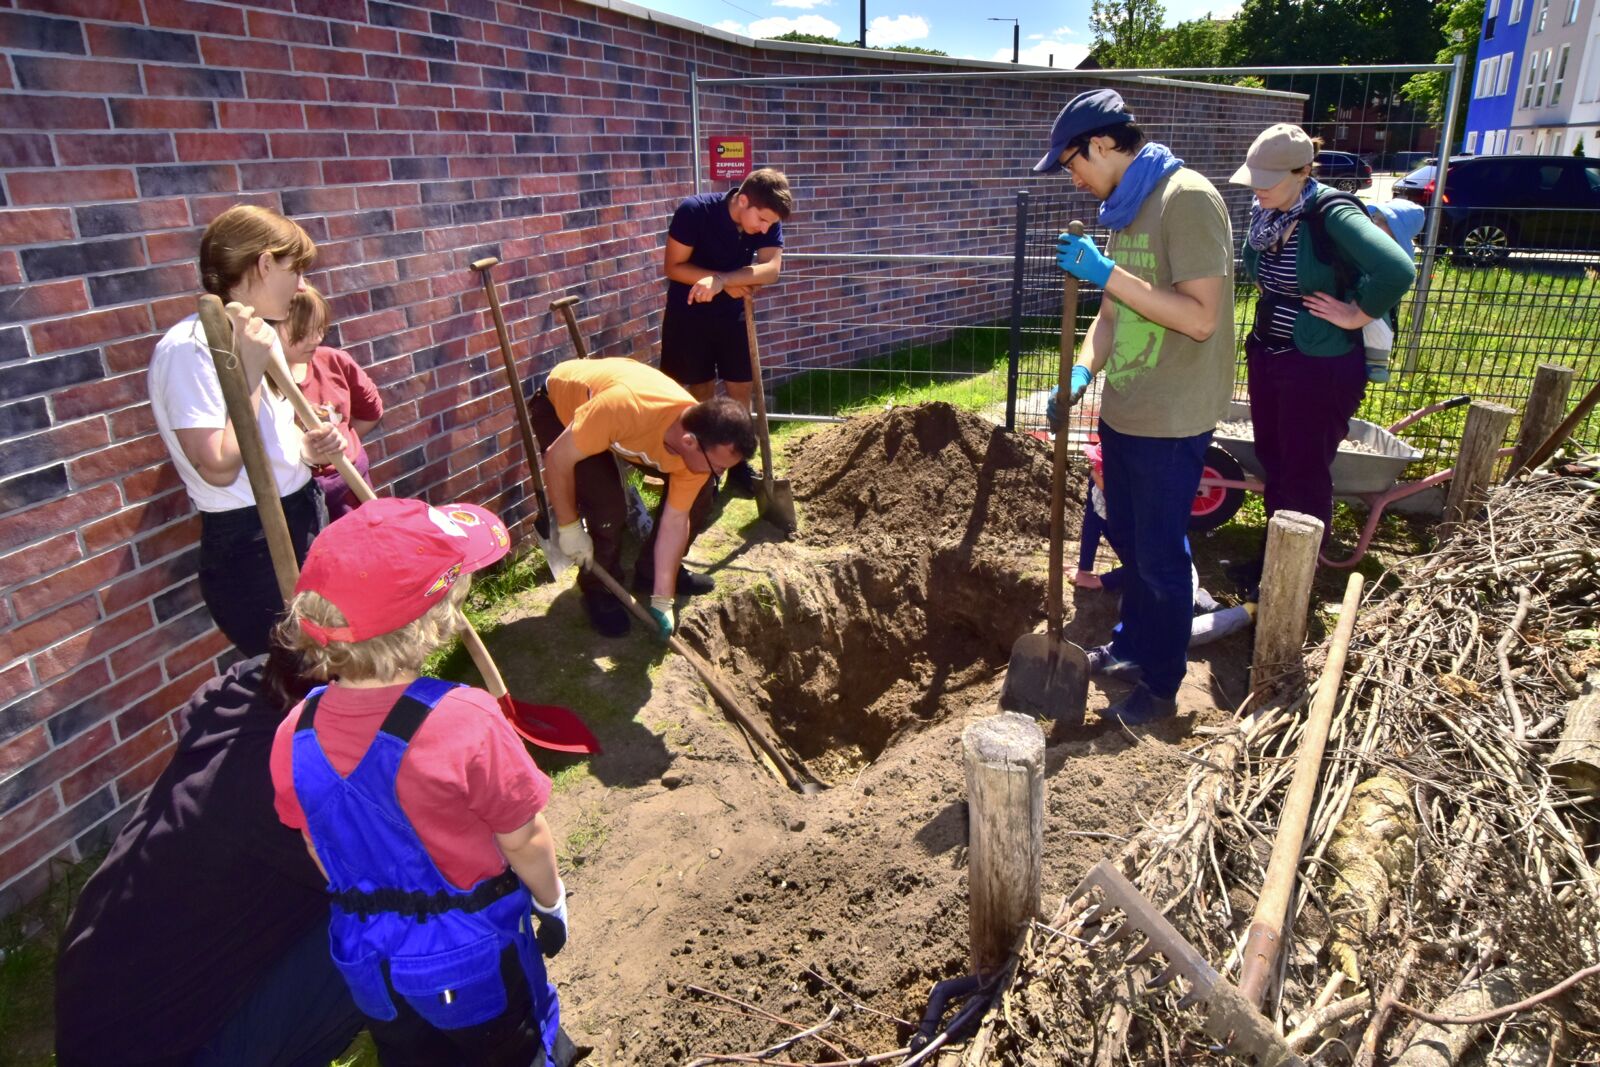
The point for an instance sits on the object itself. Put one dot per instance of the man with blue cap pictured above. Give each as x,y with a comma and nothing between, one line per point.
1164,336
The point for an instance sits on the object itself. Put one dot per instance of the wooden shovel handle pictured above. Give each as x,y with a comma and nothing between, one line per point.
1262,944
218,332
1058,467
758,388
565,305
508,360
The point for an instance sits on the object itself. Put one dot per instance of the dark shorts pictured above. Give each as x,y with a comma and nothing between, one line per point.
698,349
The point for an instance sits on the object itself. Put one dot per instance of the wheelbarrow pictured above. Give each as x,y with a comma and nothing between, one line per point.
1371,475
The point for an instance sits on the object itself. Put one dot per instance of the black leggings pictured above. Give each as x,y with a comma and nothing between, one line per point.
237,581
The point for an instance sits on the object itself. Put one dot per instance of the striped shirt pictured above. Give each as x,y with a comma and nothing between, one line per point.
1280,283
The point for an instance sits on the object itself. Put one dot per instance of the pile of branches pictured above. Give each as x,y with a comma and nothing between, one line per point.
1444,866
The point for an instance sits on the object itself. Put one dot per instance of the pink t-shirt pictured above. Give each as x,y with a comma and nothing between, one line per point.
465,777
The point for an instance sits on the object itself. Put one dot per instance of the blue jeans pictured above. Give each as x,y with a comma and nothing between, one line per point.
1150,487
299,1014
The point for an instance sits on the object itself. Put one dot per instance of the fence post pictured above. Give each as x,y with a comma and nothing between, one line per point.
1293,540
1547,403
1018,261
1480,440
1430,243
1004,757
694,126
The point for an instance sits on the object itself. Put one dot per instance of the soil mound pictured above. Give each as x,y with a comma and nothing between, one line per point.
931,473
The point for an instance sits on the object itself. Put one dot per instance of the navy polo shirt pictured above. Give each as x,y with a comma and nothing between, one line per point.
705,224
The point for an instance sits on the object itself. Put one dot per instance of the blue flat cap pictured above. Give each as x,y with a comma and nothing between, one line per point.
1084,113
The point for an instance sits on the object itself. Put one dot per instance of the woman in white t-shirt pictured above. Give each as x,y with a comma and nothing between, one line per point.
253,259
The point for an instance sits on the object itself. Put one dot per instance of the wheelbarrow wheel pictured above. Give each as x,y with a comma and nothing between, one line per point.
1215,504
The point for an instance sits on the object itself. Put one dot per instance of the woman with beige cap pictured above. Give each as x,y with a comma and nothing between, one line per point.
1319,284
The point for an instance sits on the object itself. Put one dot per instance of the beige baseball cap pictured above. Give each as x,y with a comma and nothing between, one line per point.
1279,150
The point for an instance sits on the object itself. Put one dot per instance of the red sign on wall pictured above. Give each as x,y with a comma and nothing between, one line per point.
730,158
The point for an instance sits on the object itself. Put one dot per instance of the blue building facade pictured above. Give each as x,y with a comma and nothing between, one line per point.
1493,85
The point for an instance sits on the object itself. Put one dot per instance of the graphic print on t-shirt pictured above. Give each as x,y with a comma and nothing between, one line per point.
1136,343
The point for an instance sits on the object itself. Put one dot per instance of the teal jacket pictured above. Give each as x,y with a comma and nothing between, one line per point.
1381,270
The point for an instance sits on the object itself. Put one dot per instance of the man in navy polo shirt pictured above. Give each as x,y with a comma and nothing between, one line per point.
720,246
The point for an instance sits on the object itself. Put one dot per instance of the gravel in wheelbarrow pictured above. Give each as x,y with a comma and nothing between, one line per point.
1370,458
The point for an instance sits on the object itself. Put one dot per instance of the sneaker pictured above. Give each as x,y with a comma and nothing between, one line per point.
1141,708
689,583
1103,662
741,479
606,614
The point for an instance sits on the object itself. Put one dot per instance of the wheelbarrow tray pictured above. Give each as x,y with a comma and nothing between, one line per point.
1354,473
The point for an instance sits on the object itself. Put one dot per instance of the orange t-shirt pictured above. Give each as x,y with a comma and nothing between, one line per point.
626,406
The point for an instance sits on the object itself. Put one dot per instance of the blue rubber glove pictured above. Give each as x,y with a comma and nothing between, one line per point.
1079,257
1081,377
552,932
661,611
1377,373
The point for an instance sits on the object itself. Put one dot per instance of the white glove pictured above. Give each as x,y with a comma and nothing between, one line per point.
576,543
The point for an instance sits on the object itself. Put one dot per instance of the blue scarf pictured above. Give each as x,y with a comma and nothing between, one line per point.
1153,163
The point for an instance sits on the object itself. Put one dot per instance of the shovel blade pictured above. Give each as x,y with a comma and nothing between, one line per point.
557,559
549,726
1048,678
775,502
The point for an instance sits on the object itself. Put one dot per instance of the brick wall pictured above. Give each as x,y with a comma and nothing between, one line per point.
409,139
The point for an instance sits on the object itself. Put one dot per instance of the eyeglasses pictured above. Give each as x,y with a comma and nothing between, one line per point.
716,472
1066,164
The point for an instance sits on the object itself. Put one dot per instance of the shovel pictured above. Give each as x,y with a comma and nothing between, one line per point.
1049,675
546,725
542,525
795,773
774,497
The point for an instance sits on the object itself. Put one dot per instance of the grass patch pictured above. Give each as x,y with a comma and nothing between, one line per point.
967,369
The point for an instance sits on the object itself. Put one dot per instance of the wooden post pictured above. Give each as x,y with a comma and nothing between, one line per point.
1546,405
1485,429
1004,757
1576,759
1293,540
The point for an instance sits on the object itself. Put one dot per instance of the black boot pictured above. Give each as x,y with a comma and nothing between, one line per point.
606,613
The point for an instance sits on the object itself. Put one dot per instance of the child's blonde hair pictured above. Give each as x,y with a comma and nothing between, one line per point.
376,659
309,313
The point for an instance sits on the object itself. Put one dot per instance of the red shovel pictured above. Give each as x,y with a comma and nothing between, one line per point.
546,725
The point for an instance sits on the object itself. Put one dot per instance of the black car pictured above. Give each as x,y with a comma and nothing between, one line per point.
1496,204
1342,170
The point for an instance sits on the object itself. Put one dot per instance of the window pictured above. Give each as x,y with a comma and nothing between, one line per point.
1472,142
1544,79
1591,88
1493,8
1538,20
1488,29
1533,76
1516,12
1504,80
1555,147
1561,77
1519,144
1485,81
1538,145
1572,13
1592,174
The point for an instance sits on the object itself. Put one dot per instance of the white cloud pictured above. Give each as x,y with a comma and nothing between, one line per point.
902,29
1063,31
803,5
1066,54
1035,36
778,25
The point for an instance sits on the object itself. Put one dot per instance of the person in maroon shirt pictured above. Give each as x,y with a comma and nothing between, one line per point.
335,385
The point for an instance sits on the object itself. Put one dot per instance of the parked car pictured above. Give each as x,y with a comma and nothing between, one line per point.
1400,162
1493,205
1342,170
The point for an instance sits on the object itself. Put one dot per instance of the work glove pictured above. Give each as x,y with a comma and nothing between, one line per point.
576,543
661,611
552,932
1081,377
1077,255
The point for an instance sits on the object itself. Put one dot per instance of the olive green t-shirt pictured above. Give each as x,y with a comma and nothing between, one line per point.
1159,382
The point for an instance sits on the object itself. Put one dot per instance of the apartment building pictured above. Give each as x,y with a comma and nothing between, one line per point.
1536,90
1501,41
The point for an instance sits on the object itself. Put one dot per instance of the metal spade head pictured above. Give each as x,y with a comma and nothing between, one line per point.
1048,678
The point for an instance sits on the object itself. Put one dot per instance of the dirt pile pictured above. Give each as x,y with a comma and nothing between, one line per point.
930,473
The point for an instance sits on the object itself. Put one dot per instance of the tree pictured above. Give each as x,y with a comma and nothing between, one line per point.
1197,43
817,38
1577,149
1127,33
1462,21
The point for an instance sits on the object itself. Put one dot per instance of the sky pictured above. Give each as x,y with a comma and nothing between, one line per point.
959,27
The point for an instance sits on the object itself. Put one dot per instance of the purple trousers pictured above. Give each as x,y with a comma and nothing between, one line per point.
1301,407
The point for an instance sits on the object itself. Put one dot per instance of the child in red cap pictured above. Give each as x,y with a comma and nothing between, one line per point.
417,799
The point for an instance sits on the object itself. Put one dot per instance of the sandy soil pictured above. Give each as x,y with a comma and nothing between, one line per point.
715,911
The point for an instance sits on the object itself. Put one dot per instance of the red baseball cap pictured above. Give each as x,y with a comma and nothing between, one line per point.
388,562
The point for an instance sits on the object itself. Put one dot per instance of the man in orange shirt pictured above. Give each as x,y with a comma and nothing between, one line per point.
589,407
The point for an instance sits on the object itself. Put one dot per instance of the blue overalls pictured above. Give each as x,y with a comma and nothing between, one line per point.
398,926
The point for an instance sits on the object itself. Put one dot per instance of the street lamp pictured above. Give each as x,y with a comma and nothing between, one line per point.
1016,38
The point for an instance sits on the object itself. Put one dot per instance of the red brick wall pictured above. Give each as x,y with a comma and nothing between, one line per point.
409,139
